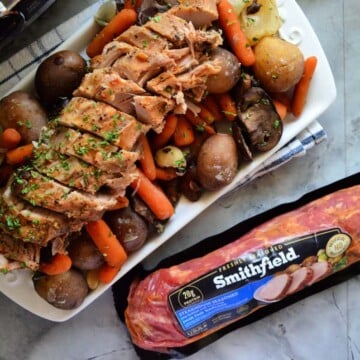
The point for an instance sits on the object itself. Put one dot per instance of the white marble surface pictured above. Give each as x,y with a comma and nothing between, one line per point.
323,326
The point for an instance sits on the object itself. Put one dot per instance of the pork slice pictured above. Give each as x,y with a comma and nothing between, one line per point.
26,254
320,270
28,223
144,38
166,84
42,191
171,27
200,12
103,120
204,40
106,85
141,65
152,110
184,59
299,278
275,289
112,51
92,150
69,170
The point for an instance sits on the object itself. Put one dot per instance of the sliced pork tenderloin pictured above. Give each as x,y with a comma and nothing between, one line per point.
299,279
25,254
108,86
28,223
103,120
275,289
201,13
92,150
42,191
320,270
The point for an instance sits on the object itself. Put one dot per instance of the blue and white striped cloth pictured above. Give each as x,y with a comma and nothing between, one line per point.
20,64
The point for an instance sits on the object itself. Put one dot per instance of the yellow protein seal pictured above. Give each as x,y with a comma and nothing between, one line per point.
337,245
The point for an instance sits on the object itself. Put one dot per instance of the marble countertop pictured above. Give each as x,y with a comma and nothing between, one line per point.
325,325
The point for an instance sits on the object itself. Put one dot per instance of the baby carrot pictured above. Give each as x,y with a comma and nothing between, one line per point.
206,114
228,106
106,242
107,273
213,107
280,107
302,87
166,174
122,21
160,140
184,133
153,197
10,139
147,161
59,264
19,155
230,24
199,123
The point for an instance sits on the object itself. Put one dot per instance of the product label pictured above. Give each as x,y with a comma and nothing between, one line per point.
257,278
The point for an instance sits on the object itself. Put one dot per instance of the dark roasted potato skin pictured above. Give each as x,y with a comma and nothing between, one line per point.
64,291
228,76
23,112
217,161
83,252
58,76
130,229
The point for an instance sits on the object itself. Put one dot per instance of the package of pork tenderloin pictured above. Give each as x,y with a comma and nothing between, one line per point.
243,274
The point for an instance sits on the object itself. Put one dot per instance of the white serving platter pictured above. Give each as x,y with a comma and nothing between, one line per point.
296,28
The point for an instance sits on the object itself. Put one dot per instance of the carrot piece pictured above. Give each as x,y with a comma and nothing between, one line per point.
19,155
166,174
184,133
121,202
106,242
302,87
211,103
107,273
230,24
228,106
147,161
132,4
283,98
121,21
199,123
205,114
160,140
153,197
10,139
59,264
281,108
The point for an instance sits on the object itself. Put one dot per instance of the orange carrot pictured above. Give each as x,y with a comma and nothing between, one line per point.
59,264
281,108
199,123
283,98
160,140
106,242
228,106
121,21
153,196
132,4
147,161
302,87
184,133
206,114
230,24
166,174
19,155
212,105
107,273
121,202
10,139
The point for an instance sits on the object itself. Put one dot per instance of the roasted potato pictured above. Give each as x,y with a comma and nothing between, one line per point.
22,111
64,291
279,64
217,161
59,75
229,74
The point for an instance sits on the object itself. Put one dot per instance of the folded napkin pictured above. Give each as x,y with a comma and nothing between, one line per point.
20,64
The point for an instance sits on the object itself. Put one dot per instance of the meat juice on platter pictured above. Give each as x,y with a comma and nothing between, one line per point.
137,104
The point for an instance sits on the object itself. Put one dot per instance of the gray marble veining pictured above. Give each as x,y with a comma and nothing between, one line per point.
323,326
